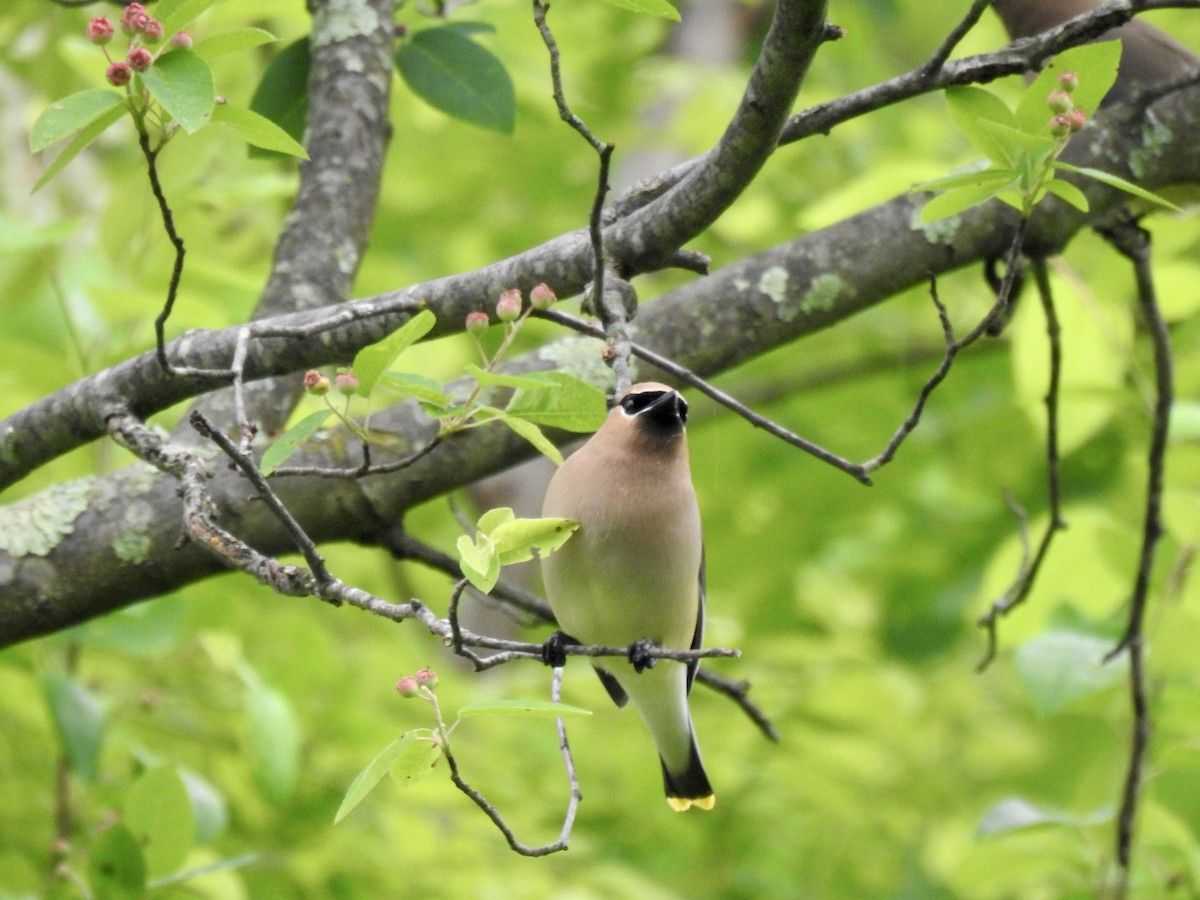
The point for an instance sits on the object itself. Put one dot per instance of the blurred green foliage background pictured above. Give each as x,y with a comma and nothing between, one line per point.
902,772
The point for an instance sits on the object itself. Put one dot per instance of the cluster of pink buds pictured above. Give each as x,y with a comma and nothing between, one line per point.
1068,118
142,29
410,685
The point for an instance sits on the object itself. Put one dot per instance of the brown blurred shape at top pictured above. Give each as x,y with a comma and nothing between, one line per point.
1148,56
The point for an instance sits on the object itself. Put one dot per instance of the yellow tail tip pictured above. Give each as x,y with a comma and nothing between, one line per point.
682,804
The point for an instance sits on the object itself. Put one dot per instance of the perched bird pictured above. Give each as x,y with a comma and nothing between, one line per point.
1148,55
634,571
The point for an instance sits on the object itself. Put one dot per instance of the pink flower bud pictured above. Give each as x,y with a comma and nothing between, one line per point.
118,74
346,383
140,59
99,31
542,297
1060,102
131,11
1077,118
152,33
316,383
426,678
508,307
477,322
1068,81
181,40
407,686
1060,126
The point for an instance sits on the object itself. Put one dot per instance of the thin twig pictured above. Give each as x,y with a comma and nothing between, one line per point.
739,692
689,377
1134,243
365,468
168,220
1019,590
934,64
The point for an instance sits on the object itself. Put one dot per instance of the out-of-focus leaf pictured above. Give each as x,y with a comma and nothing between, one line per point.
79,142
175,14
650,7
1061,667
117,869
275,740
80,721
159,815
537,708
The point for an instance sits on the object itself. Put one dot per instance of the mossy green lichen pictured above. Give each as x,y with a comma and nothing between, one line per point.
134,542
34,526
940,231
344,19
580,356
1155,136
774,282
823,292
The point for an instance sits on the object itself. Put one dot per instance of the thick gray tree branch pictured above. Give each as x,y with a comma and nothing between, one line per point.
111,542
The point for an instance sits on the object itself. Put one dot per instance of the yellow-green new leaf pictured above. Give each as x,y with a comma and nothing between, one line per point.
257,130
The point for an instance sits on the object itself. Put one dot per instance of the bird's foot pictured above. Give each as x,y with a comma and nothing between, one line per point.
639,654
554,652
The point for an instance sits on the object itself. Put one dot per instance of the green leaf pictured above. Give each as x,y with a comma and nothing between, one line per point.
1117,182
516,541
1067,191
423,388
1015,140
540,708
208,806
274,740
175,14
289,442
479,562
159,815
371,362
533,434
452,73
576,405
970,108
1060,667
955,201
651,7
1095,64
234,41
991,175
415,760
1018,814
534,381
64,117
117,869
494,518
366,780
81,140
79,720
282,94
183,83
259,131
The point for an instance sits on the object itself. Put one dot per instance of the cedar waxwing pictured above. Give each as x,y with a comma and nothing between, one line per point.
1148,55
635,569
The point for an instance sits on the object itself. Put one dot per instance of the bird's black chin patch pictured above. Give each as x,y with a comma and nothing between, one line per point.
659,413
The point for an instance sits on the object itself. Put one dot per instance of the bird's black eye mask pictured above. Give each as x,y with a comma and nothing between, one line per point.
636,404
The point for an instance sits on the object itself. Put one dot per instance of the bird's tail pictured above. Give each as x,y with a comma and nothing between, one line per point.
689,786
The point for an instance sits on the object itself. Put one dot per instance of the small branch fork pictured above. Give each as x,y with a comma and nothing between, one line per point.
1134,243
